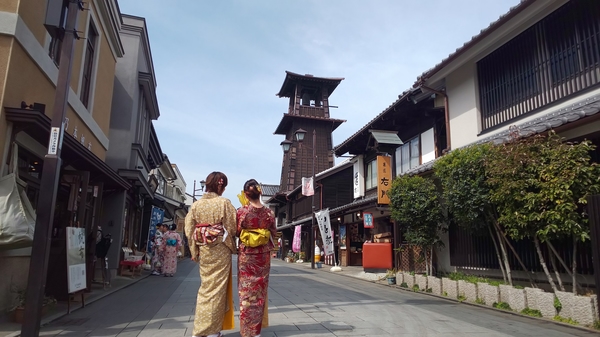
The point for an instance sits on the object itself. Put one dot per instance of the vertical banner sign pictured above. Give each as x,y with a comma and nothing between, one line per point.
156,217
296,241
384,179
76,259
368,220
308,186
325,227
358,178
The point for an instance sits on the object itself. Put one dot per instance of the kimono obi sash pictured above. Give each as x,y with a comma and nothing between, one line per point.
171,242
208,233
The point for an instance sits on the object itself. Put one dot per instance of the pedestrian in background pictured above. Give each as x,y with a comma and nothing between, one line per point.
210,227
172,243
254,261
158,257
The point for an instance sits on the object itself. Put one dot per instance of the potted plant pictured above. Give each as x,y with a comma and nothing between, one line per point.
391,276
18,310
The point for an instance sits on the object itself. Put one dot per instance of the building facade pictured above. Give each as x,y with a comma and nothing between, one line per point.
29,58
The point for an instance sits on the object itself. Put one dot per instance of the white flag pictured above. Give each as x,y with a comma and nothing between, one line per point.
307,186
326,233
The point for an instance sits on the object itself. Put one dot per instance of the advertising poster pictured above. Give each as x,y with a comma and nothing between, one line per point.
325,228
76,259
156,217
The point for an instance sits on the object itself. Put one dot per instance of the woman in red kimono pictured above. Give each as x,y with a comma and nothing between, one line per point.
254,263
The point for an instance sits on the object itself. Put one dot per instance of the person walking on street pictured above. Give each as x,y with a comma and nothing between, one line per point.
210,227
172,243
158,257
256,229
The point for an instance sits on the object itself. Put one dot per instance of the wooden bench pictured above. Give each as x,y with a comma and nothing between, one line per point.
134,266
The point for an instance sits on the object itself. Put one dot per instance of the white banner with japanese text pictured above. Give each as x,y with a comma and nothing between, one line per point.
325,227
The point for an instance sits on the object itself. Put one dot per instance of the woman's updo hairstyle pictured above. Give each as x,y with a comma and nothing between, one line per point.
216,182
252,189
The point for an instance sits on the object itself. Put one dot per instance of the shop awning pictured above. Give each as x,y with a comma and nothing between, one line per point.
137,178
37,125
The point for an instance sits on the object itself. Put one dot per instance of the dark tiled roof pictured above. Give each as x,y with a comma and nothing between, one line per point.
584,108
475,39
269,190
288,84
576,111
367,126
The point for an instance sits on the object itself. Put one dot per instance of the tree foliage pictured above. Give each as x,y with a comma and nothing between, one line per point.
415,205
465,188
540,185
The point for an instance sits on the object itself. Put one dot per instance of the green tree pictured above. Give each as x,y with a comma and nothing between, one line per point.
540,184
415,205
466,194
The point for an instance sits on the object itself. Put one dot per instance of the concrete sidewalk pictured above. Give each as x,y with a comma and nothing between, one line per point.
12,329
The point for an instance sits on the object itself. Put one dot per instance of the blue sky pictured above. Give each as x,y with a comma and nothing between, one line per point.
219,65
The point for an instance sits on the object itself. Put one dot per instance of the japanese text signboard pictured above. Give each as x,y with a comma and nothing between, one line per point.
325,228
384,179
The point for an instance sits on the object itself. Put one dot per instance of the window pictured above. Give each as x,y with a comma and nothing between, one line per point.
88,65
555,58
371,177
408,156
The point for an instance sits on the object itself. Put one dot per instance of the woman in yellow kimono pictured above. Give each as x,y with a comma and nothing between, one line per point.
210,226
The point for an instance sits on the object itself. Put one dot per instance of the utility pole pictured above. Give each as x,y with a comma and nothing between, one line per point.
312,225
38,266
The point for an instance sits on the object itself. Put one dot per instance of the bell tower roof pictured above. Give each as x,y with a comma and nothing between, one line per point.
292,79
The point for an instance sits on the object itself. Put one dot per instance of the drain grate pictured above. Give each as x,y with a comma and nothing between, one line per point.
72,321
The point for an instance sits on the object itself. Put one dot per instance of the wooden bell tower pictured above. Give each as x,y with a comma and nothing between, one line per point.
308,110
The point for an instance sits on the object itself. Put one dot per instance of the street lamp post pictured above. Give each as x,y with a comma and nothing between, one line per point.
286,144
202,184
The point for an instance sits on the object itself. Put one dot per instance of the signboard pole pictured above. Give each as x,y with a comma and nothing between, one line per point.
38,267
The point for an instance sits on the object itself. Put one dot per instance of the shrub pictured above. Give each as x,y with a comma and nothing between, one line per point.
403,285
480,301
565,320
502,305
531,312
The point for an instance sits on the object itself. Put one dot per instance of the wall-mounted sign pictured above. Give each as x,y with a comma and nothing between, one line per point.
358,177
384,179
368,220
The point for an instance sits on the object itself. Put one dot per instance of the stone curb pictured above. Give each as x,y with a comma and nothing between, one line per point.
379,282
579,327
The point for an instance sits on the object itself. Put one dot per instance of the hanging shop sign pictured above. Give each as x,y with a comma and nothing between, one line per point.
384,179
358,178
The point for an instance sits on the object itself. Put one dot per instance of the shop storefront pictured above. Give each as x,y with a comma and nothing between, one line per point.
83,182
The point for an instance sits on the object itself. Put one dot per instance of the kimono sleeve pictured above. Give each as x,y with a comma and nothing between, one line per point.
230,224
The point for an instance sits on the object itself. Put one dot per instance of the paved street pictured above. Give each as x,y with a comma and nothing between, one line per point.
302,302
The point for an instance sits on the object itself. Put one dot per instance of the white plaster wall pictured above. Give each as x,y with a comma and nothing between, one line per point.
427,146
462,106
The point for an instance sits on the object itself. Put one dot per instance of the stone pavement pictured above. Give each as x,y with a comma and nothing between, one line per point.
302,302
